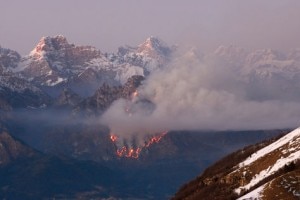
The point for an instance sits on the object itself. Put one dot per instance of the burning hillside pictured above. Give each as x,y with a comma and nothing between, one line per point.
128,142
133,150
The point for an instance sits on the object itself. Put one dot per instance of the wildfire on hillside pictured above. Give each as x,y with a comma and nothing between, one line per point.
131,152
124,148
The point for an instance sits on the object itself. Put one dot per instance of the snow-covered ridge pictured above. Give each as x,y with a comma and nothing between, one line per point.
267,170
282,141
287,186
280,163
152,44
255,194
64,61
285,151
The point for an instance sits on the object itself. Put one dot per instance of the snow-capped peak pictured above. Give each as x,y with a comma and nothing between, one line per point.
264,55
48,43
193,53
154,43
231,53
153,47
229,50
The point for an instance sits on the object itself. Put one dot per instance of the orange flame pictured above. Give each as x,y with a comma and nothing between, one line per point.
155,139
135,94
135,152
128,153
113,138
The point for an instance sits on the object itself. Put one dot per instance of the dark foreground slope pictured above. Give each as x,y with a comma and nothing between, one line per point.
271,167
28,174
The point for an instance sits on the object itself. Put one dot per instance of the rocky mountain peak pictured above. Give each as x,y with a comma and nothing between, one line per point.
154,42
264,55
107,94
154,47
47,44
193,52
8,58
231,53
231,49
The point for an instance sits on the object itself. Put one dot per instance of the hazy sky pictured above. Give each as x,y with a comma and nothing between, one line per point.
107,24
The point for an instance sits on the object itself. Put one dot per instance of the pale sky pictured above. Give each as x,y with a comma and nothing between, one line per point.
108,24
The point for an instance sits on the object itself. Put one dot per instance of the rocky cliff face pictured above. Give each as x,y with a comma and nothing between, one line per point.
106,95
67,98
15,92
8,58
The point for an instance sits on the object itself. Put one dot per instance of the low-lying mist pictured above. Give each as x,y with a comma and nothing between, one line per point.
204,94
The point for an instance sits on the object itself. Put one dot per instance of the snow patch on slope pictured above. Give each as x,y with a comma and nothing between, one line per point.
253,195
282,141
292,140
280,163
51,83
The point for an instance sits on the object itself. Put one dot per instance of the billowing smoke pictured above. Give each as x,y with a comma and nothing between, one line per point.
204,94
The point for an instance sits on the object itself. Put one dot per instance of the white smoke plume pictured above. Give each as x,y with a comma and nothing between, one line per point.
191,94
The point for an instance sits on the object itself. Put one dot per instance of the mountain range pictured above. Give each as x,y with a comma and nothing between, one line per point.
52,98
54,65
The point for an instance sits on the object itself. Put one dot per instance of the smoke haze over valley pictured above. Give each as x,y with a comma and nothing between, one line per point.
212,93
